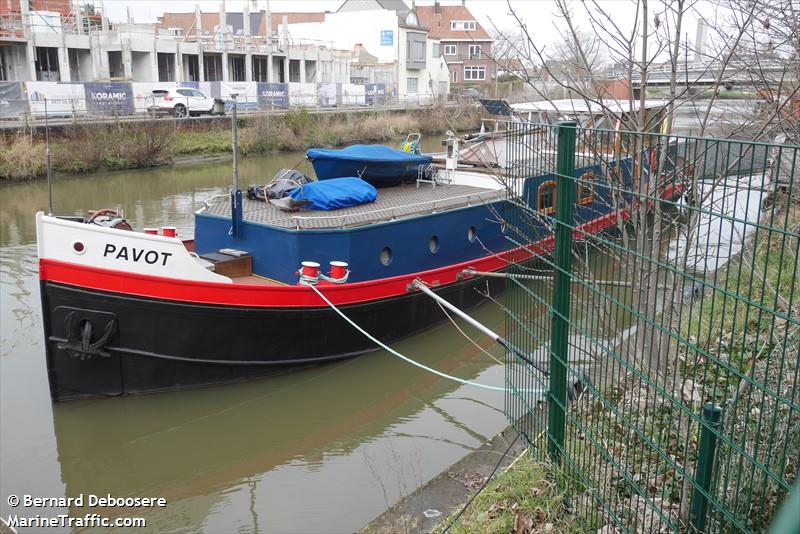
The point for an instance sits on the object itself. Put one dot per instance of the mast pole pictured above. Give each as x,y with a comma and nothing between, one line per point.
235,143
49,166
236,194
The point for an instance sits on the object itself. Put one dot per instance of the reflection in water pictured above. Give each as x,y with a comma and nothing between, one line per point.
321,450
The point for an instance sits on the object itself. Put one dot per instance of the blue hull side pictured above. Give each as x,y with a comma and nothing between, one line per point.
277,252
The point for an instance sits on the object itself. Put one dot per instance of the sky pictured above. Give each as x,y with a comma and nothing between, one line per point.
539,15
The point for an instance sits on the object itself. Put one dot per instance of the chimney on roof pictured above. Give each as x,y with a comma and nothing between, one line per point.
437,8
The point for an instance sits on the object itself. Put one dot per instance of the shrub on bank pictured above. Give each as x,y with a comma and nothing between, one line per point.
22,158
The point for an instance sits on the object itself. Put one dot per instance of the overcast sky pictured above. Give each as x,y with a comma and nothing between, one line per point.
538,15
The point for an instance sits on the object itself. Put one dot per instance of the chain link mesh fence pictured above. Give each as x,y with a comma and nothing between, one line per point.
657,279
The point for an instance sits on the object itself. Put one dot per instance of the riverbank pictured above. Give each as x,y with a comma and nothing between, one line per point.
84,149
521,494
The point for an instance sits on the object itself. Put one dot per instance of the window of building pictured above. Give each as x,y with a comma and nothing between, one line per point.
236,68
474,51
436,50
474,73
586,188
192,67
166,67
46,61
212,67
449,49
411,19
411,85
415,51
463,25
455,76
260,68
547,198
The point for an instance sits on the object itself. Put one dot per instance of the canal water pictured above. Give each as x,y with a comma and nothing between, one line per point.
321,450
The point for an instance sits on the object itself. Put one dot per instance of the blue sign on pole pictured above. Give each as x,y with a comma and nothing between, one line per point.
387,37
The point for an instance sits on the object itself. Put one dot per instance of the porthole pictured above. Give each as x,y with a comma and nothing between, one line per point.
78,247
386,256
471,234
433,244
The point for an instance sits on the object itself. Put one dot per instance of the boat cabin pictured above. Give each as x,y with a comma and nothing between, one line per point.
410,227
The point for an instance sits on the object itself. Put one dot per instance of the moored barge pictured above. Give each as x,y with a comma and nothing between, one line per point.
130,312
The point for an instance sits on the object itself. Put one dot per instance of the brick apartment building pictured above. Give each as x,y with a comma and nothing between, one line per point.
465,45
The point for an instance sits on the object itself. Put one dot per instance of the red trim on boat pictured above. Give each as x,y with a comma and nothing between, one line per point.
251,295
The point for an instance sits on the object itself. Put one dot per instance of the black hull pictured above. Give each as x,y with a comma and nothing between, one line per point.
155,345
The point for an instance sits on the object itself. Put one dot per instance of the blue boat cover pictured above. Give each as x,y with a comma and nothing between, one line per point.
369,153
335,193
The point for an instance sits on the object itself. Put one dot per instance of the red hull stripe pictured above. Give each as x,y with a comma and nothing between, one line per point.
162,288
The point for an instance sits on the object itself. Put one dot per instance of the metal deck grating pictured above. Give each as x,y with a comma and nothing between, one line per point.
392,203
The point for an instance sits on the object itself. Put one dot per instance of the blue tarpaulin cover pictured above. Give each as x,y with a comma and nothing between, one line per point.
377,164
370,153
335,193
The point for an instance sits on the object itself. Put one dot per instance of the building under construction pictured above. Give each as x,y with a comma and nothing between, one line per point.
69,41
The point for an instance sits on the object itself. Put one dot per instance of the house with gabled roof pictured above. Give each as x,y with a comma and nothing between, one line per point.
390,34
466,46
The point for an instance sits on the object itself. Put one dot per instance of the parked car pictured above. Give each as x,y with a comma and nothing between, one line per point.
182,102
469,94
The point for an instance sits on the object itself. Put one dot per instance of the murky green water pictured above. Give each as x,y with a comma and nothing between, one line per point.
320,450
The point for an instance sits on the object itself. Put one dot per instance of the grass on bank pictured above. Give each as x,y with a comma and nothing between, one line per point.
115,146
524,498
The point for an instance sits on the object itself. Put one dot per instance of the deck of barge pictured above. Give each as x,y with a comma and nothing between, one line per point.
396,202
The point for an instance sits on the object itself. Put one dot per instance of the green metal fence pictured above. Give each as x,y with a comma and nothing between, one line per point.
657,276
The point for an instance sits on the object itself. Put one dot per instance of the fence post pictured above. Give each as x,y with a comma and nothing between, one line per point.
562,257
704,472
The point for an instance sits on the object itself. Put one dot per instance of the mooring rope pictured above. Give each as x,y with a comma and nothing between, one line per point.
401,356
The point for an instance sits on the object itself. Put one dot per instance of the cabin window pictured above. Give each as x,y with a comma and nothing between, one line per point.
433,244
471,234
547,198
386,256
586,189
